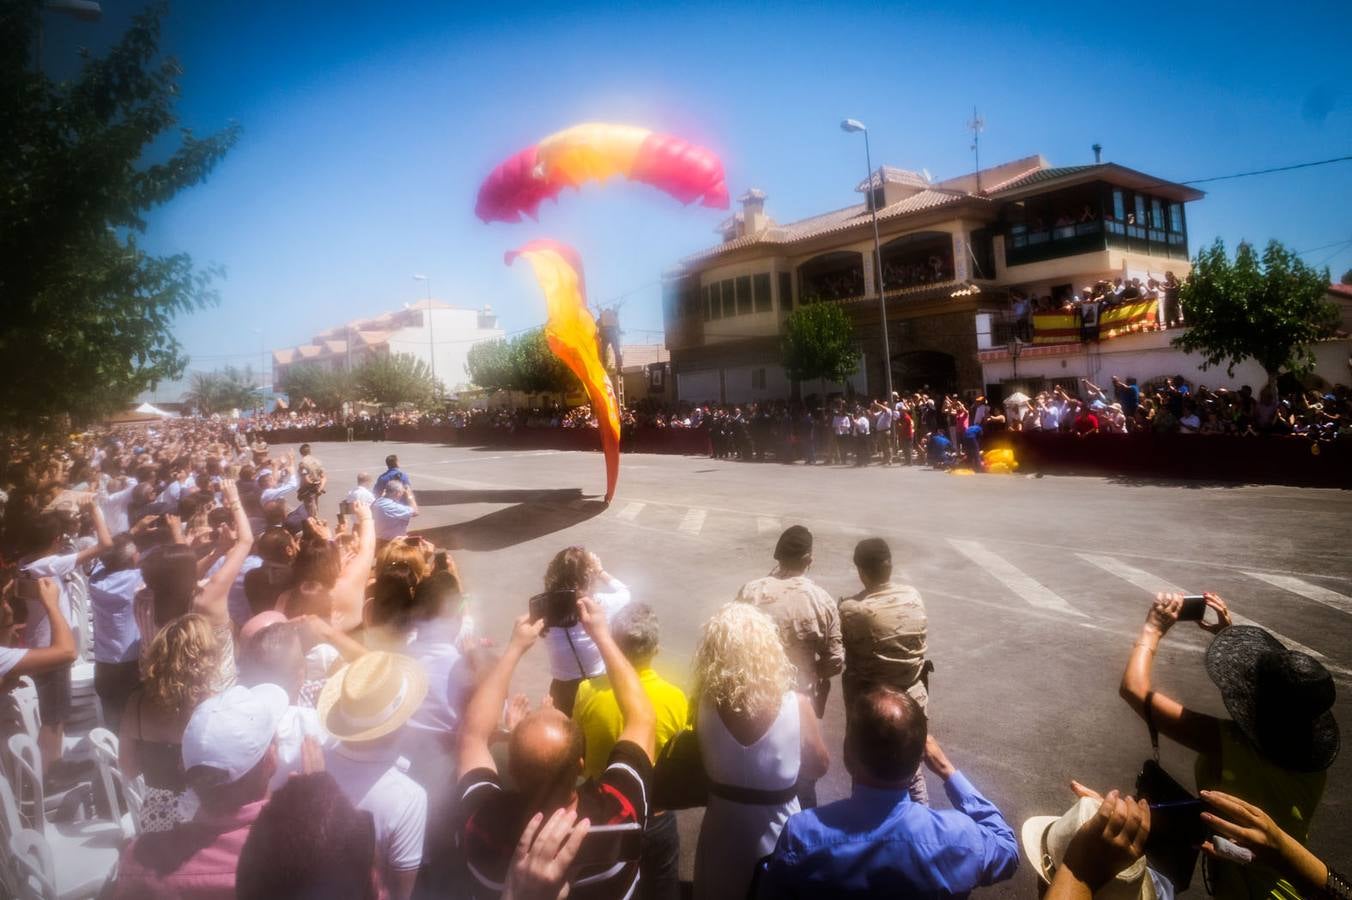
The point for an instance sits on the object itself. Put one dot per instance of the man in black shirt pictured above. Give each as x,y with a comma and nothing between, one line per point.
545,759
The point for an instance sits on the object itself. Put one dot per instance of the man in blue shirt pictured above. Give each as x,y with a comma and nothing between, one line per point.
878,842
392,472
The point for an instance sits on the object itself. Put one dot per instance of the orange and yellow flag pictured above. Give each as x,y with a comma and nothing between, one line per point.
571,332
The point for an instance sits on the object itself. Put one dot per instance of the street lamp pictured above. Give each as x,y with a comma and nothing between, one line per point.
431,348
853,126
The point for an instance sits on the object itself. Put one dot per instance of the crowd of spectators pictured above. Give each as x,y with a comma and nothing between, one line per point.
314,708
1092,300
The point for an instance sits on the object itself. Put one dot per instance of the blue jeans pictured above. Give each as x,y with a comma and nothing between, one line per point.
659,862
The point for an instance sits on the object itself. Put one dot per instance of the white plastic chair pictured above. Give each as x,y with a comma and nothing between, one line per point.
117,787
36,876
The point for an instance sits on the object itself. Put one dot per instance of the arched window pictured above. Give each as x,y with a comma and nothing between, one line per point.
915,259
832,276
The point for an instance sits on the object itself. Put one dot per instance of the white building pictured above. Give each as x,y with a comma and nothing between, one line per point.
432,331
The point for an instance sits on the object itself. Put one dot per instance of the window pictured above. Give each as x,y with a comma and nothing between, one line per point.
760,291
1176,217
785,291
715,301
758,379
743,295
729,301
1140,209
708,306
1156,213
1119,205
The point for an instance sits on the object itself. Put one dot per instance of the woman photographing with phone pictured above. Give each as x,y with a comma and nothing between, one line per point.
1274,750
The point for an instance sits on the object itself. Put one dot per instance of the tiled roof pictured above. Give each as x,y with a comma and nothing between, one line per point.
282,357
1038,176
892,175
833,222
336,346
371,338
1343,289
307,351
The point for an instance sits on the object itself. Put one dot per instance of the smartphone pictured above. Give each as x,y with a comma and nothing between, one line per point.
557,608
1194,607
606,845
344,507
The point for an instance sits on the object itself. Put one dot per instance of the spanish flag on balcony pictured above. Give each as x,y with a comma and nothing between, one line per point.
571,332
1066,328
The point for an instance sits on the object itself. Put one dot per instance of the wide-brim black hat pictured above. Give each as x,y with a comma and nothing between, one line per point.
1281,699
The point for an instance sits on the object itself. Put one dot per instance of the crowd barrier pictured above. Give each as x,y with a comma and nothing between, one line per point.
1203,457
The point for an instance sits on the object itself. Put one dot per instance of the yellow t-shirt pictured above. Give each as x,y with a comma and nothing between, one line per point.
598,714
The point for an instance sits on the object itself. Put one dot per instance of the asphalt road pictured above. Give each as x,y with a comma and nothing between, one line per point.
1035,587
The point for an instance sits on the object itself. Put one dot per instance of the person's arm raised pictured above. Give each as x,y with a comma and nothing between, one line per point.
1194,730
62,650
105,540
1105,845
640,722
212,601
349,592
485,707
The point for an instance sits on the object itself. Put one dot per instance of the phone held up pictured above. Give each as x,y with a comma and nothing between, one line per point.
1193,609
557,608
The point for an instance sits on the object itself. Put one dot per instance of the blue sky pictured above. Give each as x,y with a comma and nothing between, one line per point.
367,128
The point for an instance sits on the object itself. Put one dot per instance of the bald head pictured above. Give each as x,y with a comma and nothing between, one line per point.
545,756
885,735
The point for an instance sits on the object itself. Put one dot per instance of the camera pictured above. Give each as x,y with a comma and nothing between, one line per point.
1193,608
557,608
344,507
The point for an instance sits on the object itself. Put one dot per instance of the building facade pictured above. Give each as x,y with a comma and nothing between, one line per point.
953,253
434,332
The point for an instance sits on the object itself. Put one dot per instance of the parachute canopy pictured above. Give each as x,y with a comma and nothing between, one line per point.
571,333
596,151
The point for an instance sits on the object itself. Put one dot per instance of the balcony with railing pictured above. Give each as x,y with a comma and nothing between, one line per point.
1093,217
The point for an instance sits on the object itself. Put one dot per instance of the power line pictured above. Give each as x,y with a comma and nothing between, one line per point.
1304,165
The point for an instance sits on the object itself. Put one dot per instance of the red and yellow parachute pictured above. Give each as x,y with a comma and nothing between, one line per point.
571,332
597,151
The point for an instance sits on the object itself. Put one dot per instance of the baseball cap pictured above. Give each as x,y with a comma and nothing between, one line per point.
232,730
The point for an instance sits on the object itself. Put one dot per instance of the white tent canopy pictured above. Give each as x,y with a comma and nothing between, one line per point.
152,410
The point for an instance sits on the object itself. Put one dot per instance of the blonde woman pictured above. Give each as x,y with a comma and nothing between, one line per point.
757,737
180,672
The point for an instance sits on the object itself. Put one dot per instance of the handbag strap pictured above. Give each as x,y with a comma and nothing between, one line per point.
1150,724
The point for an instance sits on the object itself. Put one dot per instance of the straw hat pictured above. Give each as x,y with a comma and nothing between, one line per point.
372,697
1045,841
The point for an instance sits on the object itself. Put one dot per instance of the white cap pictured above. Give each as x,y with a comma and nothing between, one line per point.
232,731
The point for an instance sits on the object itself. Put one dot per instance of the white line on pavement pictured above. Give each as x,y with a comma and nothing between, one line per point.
768,525
1033,592
693,521
631,511
1314,592
1153,584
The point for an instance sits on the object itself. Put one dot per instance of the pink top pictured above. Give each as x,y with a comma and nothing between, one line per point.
960,420
195,860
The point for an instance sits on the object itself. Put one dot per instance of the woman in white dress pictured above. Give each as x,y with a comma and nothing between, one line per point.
757,738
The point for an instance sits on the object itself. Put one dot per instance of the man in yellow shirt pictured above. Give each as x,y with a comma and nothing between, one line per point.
597,713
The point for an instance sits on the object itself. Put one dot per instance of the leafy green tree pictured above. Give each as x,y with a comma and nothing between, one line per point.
490,365
326,388
535,368
87,312
1347,277
1269,309
396,378
819,343
222,390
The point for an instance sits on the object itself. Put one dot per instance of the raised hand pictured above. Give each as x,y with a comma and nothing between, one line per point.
539,867
1109,842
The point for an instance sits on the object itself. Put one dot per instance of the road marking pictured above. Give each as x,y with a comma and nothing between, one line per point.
768,525
1314,592
1032,591
1153,584
631,511
693,521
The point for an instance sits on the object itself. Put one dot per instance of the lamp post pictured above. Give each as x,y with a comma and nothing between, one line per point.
431,345
852,126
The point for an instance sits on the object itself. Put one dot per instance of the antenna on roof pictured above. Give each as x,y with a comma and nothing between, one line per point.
1098,153
976,126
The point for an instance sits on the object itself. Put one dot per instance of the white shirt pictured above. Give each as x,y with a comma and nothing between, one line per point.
861,426
449,680
842,424
297,723
361,493
885,420
280,490
390,518
111,598
9,658
562,664
1189,423
114,508
38,632
374,781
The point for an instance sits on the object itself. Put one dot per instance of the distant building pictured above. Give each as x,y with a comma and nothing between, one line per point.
438,334
954,252
646,373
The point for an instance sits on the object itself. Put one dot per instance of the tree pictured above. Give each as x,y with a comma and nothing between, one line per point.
819,343
490,365
535,368
1270,309
87,312
397,378
222,390
1347,277
325,387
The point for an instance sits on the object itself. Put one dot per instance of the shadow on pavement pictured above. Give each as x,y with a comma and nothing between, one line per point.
535,514
1195,484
